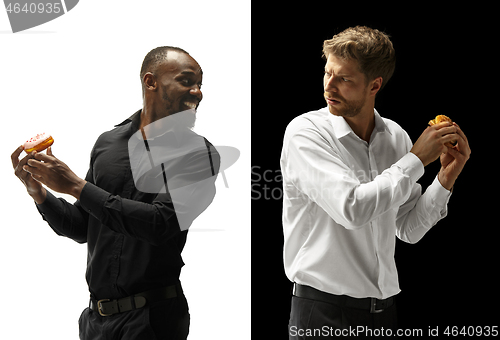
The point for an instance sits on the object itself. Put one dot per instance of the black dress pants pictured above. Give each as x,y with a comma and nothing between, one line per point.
162,320
312,319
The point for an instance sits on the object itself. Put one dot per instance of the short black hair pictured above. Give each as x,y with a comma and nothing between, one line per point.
155,56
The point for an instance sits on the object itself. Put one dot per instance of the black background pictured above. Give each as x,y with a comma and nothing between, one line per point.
446,64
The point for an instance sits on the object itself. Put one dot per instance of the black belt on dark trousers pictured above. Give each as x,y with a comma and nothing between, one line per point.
107,307
370,304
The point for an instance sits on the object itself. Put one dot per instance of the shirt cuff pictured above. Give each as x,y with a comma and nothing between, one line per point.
46,209
411,165
440,195
92,199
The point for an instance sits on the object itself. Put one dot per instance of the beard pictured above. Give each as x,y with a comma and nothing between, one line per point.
347,108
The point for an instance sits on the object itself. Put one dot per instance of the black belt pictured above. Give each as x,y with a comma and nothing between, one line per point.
107,307
372,304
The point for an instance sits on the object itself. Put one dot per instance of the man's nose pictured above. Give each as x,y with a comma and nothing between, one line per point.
329,84
196,91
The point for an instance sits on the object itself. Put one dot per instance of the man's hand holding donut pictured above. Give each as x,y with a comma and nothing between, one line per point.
34,188
49,170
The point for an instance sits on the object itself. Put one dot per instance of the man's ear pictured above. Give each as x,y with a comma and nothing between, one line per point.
375,85
149,81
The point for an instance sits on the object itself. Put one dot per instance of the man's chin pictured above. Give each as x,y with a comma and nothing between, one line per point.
347,112
334,111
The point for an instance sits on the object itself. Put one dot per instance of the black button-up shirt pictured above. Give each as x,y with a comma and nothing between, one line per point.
134,237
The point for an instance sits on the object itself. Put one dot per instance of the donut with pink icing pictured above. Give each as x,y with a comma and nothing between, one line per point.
38,143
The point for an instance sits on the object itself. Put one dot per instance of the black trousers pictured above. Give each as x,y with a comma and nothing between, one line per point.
163,320
311,319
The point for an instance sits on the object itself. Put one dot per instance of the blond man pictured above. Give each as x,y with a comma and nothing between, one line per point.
350,188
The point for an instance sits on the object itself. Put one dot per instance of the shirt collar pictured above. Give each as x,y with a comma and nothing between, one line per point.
135,119
341,128
173,134
380,125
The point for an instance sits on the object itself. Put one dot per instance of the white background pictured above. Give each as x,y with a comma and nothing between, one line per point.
76,77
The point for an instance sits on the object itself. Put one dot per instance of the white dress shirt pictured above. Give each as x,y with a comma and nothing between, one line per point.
345,201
